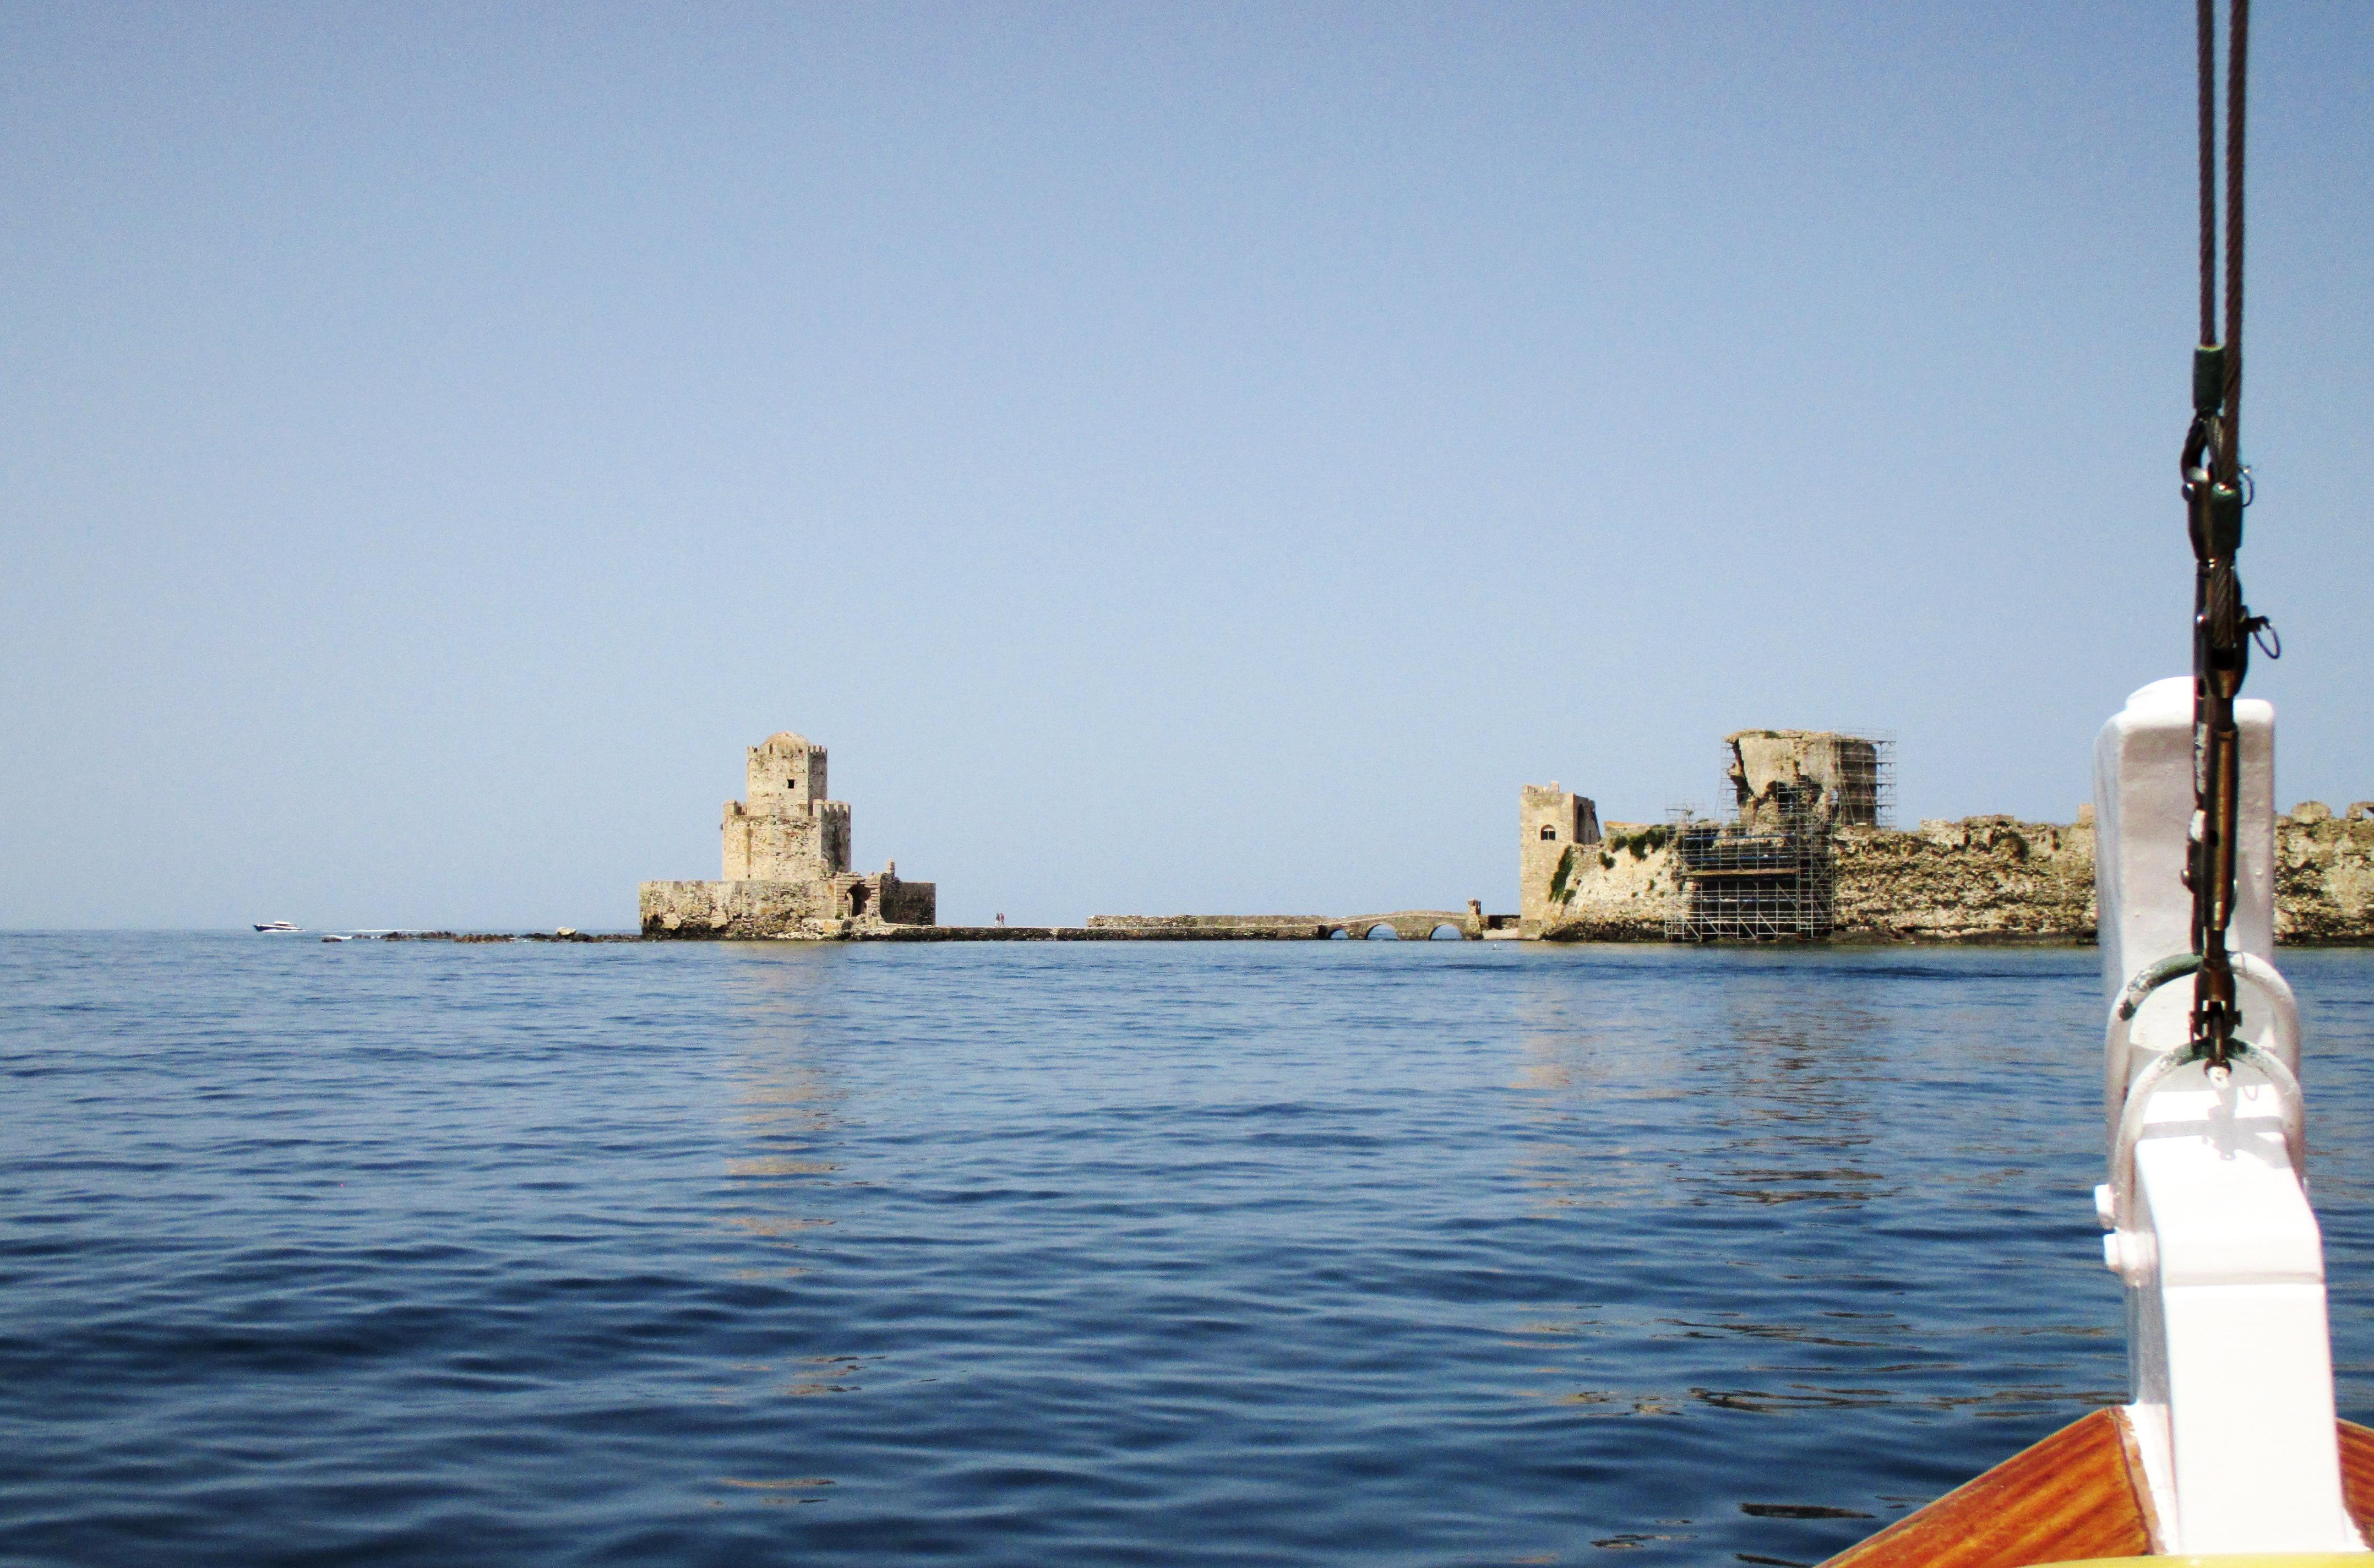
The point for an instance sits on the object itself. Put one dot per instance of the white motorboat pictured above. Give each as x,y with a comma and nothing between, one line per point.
278,926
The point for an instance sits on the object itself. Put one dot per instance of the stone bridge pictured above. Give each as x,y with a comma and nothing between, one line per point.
1409,924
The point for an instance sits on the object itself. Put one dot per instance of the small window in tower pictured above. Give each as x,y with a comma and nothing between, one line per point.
1548,832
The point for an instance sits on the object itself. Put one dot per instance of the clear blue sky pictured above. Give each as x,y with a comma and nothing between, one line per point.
1196,457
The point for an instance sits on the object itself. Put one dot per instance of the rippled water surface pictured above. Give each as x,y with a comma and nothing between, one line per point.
1294,1253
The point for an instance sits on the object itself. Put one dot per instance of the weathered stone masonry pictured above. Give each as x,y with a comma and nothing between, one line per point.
1979,879
785,853
1557,828
2324,874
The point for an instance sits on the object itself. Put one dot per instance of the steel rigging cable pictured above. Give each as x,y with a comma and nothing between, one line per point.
2216,488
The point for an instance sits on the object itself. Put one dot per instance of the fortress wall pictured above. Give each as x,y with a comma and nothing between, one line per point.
765,848
751,909
906,903
1618,890
2325,875
1975,880
733,910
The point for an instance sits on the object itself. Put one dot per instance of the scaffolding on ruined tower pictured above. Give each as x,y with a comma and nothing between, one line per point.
1867,782
1752,883
1767,871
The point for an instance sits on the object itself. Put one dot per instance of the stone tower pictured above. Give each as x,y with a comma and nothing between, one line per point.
1553,825
786,864
785,830
1776,773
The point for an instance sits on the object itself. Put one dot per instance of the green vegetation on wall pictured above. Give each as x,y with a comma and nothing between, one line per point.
1639,843
1562,888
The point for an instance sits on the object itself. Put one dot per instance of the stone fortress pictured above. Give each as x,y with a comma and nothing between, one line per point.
1807,853
786,864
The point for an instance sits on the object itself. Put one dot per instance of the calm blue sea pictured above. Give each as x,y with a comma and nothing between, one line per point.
1305,1253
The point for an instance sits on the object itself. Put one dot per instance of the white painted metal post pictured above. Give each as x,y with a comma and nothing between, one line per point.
2228,1342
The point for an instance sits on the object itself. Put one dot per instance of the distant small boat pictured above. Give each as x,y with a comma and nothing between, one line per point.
278,925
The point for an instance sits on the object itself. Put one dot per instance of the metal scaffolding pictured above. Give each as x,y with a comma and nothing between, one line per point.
1867,778
1767,871
1754,883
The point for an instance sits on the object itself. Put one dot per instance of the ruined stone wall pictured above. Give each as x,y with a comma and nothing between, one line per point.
2324,874
1777,773
1618,890
1976,879
905,903
1981,878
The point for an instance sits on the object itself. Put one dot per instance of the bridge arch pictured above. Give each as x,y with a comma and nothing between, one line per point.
1414,925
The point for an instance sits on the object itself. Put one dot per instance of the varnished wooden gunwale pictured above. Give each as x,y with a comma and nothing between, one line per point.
2069,1496
2077,1494
2357,1476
